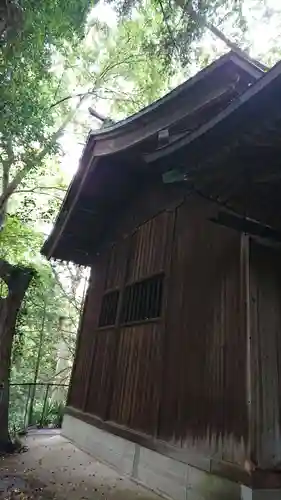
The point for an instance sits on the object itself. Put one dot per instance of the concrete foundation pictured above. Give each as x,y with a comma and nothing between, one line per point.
166,476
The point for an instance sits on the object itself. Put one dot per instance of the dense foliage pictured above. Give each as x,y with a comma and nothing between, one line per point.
28,133
56,63
52,296
28,87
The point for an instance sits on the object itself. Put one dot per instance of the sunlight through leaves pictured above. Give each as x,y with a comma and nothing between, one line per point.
4,289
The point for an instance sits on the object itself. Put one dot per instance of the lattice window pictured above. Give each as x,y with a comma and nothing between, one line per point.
142,300
109,308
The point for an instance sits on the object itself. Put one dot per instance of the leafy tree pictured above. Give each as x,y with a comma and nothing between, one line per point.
182,24
51,296
41,98
28,127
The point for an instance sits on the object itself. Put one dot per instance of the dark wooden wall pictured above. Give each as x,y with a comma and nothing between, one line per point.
181,378
265,349
204,392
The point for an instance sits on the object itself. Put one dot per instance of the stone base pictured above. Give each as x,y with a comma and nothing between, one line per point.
248,494
166,476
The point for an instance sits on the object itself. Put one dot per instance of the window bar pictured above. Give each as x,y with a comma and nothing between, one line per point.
142,294
134,291
111,308
147,300
107,316
151,297
142,300
156,299
128,305
160,296
105,309
135,303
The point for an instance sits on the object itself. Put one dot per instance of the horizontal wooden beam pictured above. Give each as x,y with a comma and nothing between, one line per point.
247,225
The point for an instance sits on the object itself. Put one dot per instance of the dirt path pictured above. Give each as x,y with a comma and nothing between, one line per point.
53,468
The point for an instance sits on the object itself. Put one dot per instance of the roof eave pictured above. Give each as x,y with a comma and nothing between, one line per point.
258,86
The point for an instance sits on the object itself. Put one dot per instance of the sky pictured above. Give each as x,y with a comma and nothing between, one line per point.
262,35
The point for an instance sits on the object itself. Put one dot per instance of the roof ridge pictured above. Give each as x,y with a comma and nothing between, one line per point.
217,63
246,57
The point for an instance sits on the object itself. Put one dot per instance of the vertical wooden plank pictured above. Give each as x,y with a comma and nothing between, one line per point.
250,339
99,282
170,242
70,398
203,388
265,274
126,245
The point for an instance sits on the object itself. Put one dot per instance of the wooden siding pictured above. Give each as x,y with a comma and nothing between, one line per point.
180,378
83,357
102,366
148,248
205,363
116,265
265,324
136,390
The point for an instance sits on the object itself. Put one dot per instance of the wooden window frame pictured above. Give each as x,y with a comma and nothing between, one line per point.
102,323
121,300
132,317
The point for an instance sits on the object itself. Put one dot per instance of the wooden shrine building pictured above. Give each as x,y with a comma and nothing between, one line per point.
177,210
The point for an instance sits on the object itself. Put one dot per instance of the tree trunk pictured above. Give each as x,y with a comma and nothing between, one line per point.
11,17
17,280
5,184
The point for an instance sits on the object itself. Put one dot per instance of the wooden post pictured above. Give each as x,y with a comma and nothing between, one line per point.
261,296
171,231
246,324
265,335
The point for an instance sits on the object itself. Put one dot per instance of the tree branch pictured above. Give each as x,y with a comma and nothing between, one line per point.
6,172
202,21
42,190
73,96
100,77
72,301
168,26
57,374
37,160
29,164
36,188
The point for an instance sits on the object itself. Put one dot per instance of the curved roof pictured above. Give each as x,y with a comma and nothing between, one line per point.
112,159
172,107
249,66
